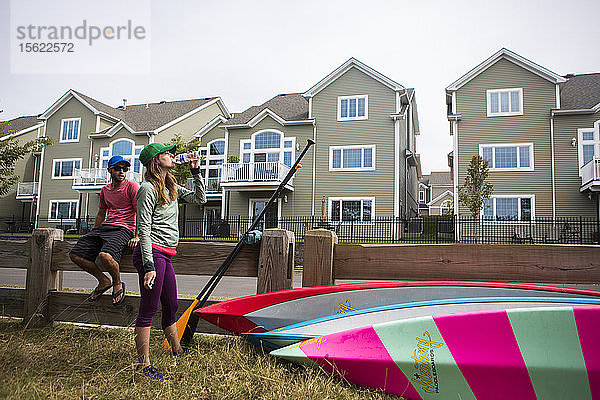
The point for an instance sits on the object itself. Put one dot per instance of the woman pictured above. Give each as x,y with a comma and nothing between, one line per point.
157,221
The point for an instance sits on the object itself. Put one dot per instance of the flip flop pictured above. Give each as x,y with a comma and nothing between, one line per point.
120,292
96,293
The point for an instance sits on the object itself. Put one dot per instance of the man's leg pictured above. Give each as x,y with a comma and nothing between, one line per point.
91,268
112,267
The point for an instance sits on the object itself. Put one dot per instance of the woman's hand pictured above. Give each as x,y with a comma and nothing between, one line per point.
133,241
149,279
194,163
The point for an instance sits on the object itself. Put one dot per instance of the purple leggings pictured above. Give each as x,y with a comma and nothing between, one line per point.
164,289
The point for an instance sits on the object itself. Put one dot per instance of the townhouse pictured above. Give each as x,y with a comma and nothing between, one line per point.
539,133
364,163
87,132
436,196
17,207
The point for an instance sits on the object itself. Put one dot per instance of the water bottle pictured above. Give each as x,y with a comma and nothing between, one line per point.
186,157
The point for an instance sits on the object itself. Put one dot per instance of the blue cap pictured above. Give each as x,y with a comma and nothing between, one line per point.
117,159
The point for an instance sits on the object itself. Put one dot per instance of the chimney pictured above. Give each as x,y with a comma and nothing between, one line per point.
124,104
147,105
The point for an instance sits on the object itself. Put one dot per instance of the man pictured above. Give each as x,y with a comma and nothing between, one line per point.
114,228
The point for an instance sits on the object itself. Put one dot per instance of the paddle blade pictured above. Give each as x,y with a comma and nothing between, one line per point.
181,323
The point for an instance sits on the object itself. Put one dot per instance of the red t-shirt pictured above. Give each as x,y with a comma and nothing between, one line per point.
120,203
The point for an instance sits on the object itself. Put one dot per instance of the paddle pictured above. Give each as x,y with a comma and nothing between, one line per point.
186,324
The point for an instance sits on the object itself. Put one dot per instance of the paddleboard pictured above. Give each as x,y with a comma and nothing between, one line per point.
268,311
291,334
547,353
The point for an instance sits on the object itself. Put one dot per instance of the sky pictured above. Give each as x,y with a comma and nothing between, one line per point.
249,51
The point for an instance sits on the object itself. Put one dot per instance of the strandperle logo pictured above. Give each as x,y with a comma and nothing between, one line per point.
84,31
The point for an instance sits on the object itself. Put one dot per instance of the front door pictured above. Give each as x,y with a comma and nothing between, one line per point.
269,220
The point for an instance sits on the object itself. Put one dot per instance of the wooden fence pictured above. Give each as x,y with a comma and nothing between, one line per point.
45,254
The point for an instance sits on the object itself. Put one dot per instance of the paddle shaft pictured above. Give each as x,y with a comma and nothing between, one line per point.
203,296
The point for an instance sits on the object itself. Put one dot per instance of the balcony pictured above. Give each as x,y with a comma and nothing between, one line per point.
26,191
95,178
255,176
590,175
212,185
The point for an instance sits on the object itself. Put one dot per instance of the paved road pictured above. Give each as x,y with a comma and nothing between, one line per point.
186,285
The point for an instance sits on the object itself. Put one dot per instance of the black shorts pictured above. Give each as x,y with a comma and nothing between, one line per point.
109,239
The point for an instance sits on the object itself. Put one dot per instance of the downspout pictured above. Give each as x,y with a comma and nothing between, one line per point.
314,165
552,164
39,196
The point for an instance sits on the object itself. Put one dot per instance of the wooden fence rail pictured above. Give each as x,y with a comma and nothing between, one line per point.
46,254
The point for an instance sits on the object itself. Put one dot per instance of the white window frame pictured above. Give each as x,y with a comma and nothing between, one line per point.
50,219
492,168
61,160
511,196
499,113
595,142
340,199
342,148
421,196
281,150
207,166
134,156
253,200
357,118
62,126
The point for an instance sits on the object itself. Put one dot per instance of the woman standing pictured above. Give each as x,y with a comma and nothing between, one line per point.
157,221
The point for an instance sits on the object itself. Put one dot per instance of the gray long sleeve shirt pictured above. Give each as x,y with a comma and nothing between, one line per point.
158,224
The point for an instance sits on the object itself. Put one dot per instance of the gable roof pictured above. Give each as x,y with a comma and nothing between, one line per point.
342,69
580,92
513,57
437,178
287,107
15,126
141,118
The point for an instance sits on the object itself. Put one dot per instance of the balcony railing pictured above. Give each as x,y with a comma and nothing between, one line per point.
212,185
254,172
90,177
27,189
590,172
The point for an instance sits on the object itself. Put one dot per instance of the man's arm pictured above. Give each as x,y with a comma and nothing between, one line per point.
100,217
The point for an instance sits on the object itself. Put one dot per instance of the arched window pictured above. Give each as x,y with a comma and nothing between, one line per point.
267,146
125,148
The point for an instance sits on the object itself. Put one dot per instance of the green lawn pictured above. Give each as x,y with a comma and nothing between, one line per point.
68,362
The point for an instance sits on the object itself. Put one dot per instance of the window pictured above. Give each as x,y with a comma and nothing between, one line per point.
446,207
589,145
267,146
64,168
504,102
352,158
69,130
125,148
65,210
509,208
421,196
508,156
348,209
353,108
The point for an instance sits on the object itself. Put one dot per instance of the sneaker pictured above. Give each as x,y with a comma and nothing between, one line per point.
152,373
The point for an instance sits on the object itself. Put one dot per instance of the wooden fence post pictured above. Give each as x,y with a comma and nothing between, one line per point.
318,257
40,279
276,260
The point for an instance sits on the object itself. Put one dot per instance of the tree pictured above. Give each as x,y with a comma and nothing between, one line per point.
182,171
11,151
475,190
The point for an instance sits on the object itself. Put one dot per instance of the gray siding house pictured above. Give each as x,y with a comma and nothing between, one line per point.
537,130
87,132
364,163
436,196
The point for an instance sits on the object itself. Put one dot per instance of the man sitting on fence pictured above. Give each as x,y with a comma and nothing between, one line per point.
114,228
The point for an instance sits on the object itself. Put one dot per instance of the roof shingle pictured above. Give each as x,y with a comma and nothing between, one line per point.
290,107
580,92
18,124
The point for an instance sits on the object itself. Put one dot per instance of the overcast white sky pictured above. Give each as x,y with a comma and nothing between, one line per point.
248,51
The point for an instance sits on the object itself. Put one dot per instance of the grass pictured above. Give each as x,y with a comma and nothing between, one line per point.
69,362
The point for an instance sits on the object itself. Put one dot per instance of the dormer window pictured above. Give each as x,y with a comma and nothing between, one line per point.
352,108
504,102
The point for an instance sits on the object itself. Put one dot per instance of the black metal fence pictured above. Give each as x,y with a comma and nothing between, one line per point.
432,229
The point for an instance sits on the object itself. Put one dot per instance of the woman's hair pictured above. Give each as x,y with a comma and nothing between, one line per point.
154,176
